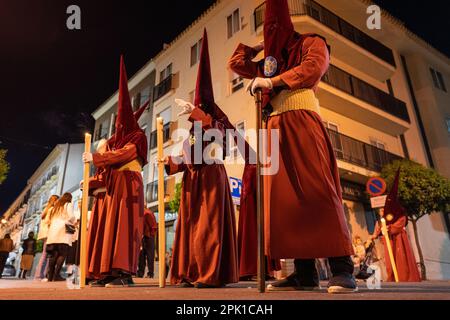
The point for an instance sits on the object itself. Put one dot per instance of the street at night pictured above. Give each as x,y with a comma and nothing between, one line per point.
147,289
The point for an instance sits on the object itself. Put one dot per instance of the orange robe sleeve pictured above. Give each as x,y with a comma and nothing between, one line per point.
242,62
124,155
315,62
175,166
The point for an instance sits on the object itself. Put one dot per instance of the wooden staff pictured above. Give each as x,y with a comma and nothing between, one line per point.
84,210
161,213
385,233
260,196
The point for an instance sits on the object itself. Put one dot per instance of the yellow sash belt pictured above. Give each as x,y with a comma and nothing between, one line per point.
133,165
301,99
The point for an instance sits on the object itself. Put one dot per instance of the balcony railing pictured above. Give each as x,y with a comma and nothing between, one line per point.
360,153
328,18
166,135
360,89
162,88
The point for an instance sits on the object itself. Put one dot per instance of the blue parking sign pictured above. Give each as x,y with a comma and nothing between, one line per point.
235,186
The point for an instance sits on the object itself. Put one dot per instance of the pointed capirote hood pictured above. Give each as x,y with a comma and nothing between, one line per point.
204,93
278,30
126,123
393,210
138,113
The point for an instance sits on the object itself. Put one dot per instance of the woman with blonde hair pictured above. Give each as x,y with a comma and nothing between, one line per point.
42,235
60,235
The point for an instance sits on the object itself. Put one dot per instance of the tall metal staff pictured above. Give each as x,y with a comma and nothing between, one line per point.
260,195
161,208
84,210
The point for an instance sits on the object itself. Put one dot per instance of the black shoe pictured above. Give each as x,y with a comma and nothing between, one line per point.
342,283
293,283
120,282
58,278
200,285
130,282
150,275
185,284
102,282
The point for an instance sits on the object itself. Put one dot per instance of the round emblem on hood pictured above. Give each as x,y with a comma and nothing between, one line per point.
270,66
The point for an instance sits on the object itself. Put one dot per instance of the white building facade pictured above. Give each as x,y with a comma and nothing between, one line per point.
367,102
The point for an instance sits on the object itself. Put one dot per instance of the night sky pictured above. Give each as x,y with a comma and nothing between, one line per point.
53,78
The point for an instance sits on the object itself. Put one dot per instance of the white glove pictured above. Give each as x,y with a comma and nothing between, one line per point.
187,106
87,157
262,83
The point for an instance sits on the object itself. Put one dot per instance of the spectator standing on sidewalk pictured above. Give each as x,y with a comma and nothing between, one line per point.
60,236
6,246
29,250
41,268
147,253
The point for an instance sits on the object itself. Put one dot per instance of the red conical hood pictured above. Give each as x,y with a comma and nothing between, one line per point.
393,209
278,30
138,113
125,122
204,89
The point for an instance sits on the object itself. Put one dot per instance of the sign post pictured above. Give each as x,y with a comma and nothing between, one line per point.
376,186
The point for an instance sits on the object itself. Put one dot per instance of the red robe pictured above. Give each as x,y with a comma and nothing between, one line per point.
404,257
125,210
303,203
96,228
150,224
204,249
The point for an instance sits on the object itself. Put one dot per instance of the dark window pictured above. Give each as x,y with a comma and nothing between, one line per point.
195,52
233,23
438,80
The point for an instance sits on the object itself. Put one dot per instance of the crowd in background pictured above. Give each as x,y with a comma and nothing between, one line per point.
58,234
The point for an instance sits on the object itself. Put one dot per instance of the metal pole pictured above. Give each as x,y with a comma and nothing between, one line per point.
260,196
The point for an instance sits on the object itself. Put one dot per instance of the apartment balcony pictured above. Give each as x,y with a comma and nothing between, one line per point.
166,86
359,153
168,129
348,43
356,99
169,190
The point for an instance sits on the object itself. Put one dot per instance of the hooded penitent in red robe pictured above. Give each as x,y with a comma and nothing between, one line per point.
124,198
97,221
247,229
204,249
303,204
396,221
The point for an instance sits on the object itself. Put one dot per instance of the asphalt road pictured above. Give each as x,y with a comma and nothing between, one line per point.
147,289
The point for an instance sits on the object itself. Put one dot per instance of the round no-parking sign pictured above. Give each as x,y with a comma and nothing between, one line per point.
376,186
